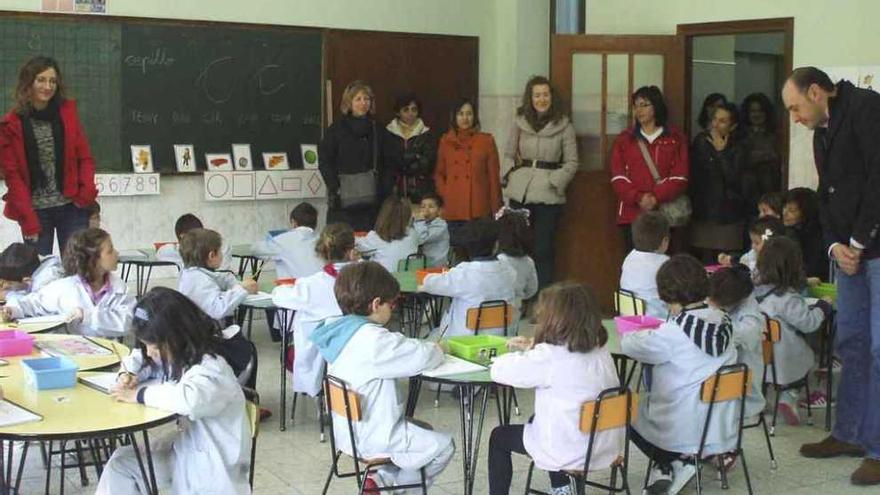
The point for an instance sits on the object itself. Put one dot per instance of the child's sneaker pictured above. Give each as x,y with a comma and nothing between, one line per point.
682,474
370,485
789,413
726,462
659,482
561,490
817,400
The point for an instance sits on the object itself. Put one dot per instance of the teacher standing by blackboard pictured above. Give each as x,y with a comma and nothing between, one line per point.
351,161
44,154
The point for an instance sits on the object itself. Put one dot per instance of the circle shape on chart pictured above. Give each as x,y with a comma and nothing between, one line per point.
218,186
311,157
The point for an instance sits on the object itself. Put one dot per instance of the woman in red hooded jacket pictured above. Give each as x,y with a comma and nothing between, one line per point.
631,178
45,158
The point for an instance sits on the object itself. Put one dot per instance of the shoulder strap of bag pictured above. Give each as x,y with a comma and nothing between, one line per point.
648,160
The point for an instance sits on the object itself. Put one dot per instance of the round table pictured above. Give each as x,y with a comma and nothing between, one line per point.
45,327
77,413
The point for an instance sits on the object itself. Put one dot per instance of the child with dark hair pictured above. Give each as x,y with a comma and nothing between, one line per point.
781,280
801,216
469,283
650,235
170,251
771,205
91,296
22,272
731,290
370,359
567,364
682,353
293,251
393,238
215,291
432,230
94,211
312,300
515,248
759,231
179,367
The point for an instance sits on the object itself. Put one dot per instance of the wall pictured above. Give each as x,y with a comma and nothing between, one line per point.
840,33
513,44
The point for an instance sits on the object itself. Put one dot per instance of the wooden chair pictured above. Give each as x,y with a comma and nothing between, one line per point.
772,336
729,383
627,304
343,402
615,407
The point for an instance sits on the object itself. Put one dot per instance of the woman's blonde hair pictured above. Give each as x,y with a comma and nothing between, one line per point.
351,91
568,315
335,242
394,218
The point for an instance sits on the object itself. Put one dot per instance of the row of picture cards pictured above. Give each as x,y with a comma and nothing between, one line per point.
239,159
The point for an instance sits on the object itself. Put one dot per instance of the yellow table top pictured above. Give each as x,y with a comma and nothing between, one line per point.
80,410
34,327
75,412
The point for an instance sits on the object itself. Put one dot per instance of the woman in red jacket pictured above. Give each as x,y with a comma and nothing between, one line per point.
49,171
636,189
468,174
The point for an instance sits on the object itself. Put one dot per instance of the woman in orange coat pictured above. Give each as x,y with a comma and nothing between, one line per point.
468,174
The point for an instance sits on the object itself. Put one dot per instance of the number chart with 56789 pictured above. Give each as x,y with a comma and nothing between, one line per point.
127,184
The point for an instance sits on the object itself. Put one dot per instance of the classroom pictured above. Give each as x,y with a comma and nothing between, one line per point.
423,246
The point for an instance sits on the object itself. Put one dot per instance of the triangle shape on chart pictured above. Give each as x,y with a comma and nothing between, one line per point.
268,186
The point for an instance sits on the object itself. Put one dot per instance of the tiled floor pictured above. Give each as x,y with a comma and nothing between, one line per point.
295,462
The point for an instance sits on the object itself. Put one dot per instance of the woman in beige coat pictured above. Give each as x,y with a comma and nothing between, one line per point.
540,160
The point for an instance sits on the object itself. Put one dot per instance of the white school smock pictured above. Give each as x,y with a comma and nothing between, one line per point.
171,253
792,355
671,414
217,293
313,300
434,239
750,259
371,363
211,452
293,252
748,336
388,254
110,317
526,281
469,284
639,276
563,381
50,270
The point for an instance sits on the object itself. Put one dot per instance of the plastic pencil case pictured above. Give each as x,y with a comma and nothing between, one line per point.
15,343
50,373
477,348
824,290
629,324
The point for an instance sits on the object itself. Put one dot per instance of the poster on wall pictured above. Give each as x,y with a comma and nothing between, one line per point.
90,6
868,78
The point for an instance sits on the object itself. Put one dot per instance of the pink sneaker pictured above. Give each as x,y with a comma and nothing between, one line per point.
370,485
789,414
818,400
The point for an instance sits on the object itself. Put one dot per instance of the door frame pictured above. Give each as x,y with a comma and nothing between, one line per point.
783,25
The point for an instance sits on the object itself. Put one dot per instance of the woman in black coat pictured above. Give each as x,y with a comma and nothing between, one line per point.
719,208
410,149
351,152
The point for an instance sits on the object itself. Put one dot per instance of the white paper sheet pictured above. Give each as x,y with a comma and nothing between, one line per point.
12,414
42,320
452,365
258,297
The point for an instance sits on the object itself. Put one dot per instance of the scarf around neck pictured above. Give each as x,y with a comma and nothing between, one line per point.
52,115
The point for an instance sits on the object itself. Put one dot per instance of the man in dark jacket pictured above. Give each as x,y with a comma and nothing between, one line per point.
846,147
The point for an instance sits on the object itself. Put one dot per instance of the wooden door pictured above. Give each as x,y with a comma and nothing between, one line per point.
440,69
595,75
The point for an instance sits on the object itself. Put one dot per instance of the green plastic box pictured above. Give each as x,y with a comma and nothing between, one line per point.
823,290
477,348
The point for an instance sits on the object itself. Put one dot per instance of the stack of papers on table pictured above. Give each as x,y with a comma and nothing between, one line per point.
42,320
13,414
452,365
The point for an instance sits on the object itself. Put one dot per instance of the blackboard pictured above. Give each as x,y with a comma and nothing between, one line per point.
161,83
